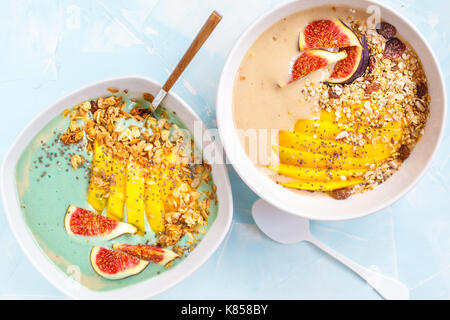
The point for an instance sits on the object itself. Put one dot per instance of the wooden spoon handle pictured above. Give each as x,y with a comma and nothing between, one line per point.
201,37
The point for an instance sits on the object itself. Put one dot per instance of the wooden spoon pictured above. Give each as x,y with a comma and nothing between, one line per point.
201,37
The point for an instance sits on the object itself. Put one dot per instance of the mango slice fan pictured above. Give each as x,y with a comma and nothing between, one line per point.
141,193
315,157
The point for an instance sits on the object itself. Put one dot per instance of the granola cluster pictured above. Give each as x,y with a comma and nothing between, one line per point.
392,90
154,143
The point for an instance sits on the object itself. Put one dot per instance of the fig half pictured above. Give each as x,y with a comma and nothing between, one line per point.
327,33
311,61
82,222
152,253
114,265
352,67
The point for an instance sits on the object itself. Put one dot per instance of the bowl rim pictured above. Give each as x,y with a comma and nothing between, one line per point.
48,268
230,144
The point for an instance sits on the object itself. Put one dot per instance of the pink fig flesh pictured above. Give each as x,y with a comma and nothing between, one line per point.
82,222
311,61
115,265
354,66
152,253
327,33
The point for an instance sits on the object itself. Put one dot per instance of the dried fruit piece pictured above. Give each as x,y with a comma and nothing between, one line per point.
335,92
373,87
341,194
387,30
85,223
372,62
422,90
404,152
328,33
352,67
94,106
311,61
152,253
115,265
148,97
394,49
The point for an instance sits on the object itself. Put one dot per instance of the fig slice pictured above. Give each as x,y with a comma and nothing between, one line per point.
327,33
310,61
82,222
114,265
152,253
354,66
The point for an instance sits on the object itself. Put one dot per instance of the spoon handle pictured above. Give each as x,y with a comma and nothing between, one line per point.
201,37
387,287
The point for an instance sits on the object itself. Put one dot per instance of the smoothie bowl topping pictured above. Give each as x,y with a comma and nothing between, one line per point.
149,159
353,107
151,193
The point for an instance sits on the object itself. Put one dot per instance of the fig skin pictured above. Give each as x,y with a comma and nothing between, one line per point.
364,61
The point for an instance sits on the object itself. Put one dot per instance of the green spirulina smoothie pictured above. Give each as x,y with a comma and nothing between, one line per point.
47,184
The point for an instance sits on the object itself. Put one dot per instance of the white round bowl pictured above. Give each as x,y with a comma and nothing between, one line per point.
323,207
147,288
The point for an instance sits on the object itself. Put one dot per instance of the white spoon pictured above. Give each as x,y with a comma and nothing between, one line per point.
287,228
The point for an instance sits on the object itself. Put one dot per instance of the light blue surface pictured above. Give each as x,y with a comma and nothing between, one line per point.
50,48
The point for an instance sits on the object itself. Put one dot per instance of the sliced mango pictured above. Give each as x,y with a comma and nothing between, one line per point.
321,129
167,186
356,114
317,160
312,174
312,154
135,188
154,208
321,186
306,143
101,169
116,199
327,116
318,129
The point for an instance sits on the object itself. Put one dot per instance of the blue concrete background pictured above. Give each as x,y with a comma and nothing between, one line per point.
51,47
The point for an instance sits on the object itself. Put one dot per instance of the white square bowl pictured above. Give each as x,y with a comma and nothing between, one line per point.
147,288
